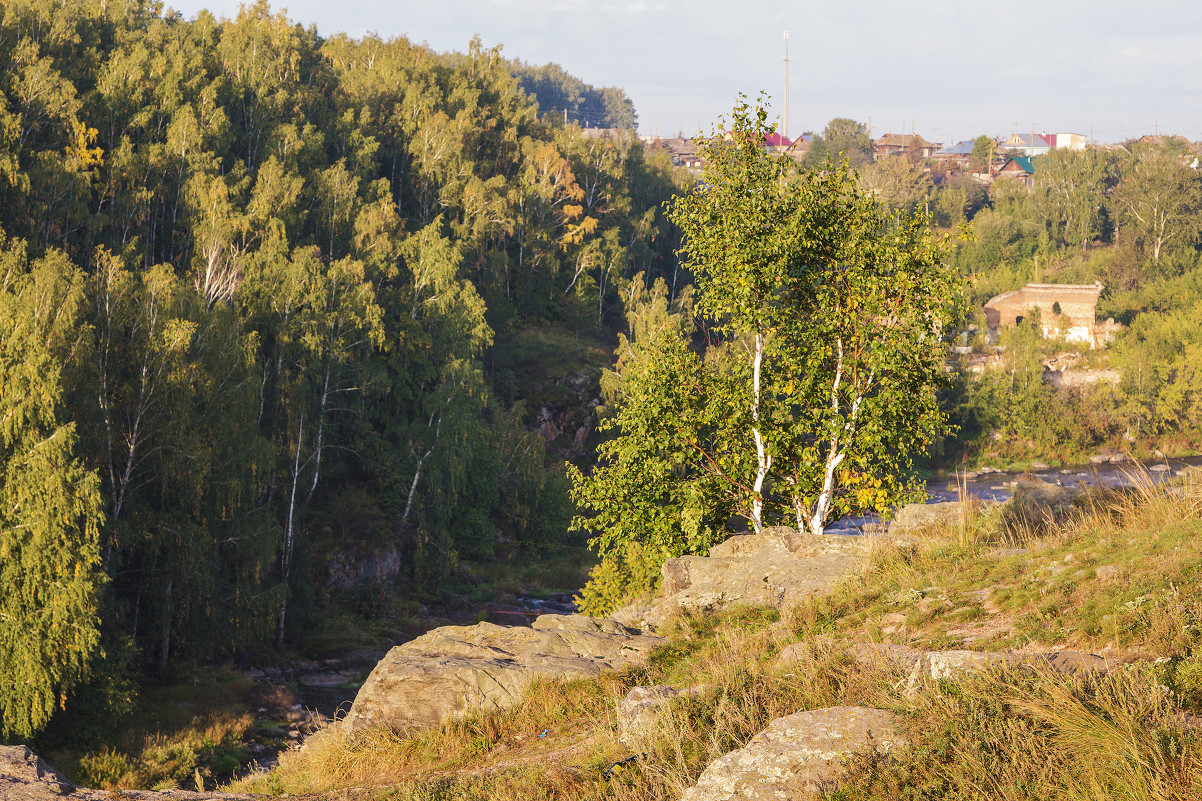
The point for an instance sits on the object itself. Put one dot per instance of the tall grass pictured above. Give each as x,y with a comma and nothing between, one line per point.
1120,567
1027,733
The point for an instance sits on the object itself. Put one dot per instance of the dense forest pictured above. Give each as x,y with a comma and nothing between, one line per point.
266,303
275,305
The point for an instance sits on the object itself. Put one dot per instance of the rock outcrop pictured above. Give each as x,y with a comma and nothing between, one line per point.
934,666
778,568
638,711
454,670
25,777
935,517
797,755
1037,503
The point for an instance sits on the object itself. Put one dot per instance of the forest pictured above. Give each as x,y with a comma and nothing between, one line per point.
267,307
276,306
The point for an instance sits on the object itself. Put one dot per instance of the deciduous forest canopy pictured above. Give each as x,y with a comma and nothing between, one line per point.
259,296
271,299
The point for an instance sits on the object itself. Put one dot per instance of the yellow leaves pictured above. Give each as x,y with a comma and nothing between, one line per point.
869,490
79,151
572,212
576,233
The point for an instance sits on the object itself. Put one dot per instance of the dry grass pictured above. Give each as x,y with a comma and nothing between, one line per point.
501,755
1119,571
541,730
1033,734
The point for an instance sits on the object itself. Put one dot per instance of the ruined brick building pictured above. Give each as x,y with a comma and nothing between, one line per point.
1066,311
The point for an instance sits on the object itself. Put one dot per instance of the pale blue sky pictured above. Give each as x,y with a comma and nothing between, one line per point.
954,70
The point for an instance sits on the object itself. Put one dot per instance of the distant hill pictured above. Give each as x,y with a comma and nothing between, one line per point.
557,91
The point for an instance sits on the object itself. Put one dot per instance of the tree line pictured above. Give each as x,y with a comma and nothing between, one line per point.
1129,216
253,284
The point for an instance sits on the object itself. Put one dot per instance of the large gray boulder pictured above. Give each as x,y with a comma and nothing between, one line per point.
23,775
944,517
1037,504
937,517
455,670
797,755
777,568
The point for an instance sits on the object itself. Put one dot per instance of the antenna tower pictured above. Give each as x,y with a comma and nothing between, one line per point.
785,124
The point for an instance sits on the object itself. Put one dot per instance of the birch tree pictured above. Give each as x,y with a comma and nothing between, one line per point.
1160,202
838,305
50,506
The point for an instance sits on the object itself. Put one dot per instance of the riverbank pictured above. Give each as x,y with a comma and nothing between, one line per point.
199,725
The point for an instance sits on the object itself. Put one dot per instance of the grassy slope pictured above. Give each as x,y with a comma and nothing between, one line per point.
1123,574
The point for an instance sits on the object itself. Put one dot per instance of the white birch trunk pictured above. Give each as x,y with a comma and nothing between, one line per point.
417,474
289,531
763,458
834,455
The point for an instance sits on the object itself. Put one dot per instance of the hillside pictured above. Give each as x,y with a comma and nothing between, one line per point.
292,324
1109,590
311,345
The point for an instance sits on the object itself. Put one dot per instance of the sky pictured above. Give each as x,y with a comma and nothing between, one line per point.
950,71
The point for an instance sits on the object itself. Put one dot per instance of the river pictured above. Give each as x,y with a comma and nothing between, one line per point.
996,485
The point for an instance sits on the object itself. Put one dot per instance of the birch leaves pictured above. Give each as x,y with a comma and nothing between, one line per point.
837,306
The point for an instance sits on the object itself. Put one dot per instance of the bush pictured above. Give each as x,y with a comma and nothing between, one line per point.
621,576
105,770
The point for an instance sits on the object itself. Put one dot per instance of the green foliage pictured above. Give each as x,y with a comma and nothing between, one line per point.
1071,191
982,152
898,183
287,266
622,574
842,305
1185,679
958,200
1160,200
669,479
50,503
670,476
818,383
842,139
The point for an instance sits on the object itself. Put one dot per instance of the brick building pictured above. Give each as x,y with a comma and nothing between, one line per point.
1067,311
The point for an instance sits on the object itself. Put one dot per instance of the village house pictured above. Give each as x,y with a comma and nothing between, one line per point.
1020,168
1158,140
1031,144
905,145
1065,141
1066,311
777,143
683,153
957,155
799,148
